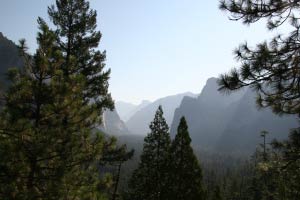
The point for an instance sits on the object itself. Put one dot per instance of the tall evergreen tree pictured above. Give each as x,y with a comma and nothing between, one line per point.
42,156
78,39
217,195
48,146
24,122
150,180
186,173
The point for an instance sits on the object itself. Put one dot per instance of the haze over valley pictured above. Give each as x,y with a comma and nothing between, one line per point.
217,121
149,100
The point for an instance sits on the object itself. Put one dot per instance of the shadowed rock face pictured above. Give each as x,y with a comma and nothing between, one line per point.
228,123
139,122
242,132
9,57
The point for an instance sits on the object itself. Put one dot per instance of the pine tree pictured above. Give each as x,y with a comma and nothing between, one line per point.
217,194
186,173
271,68
24,141
48,145
43,157
78,39
114,158
285,165
266,182
150,180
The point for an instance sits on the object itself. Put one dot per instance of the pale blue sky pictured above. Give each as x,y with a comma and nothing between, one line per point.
155,48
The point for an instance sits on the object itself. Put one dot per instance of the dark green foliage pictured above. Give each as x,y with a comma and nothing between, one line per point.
150,180
271,68
114,158
23,133
9,57
270,179
264,181
49,148
285,164
78,40
269,174
43,156
217,194
186,173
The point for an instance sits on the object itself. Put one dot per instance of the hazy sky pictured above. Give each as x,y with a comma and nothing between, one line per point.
154,48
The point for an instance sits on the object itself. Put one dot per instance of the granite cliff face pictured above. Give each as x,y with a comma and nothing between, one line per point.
230,123
242,132
112,124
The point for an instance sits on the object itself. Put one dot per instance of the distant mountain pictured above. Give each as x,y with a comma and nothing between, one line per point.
126,110
206,115
9,57
245,123
139,122
228,122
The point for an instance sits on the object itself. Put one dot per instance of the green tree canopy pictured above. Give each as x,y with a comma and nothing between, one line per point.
217,195
186,173
272,68
78,40
150,180
49,148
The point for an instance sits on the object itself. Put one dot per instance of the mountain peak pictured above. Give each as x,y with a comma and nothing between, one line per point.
210,89
211,80
139,122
